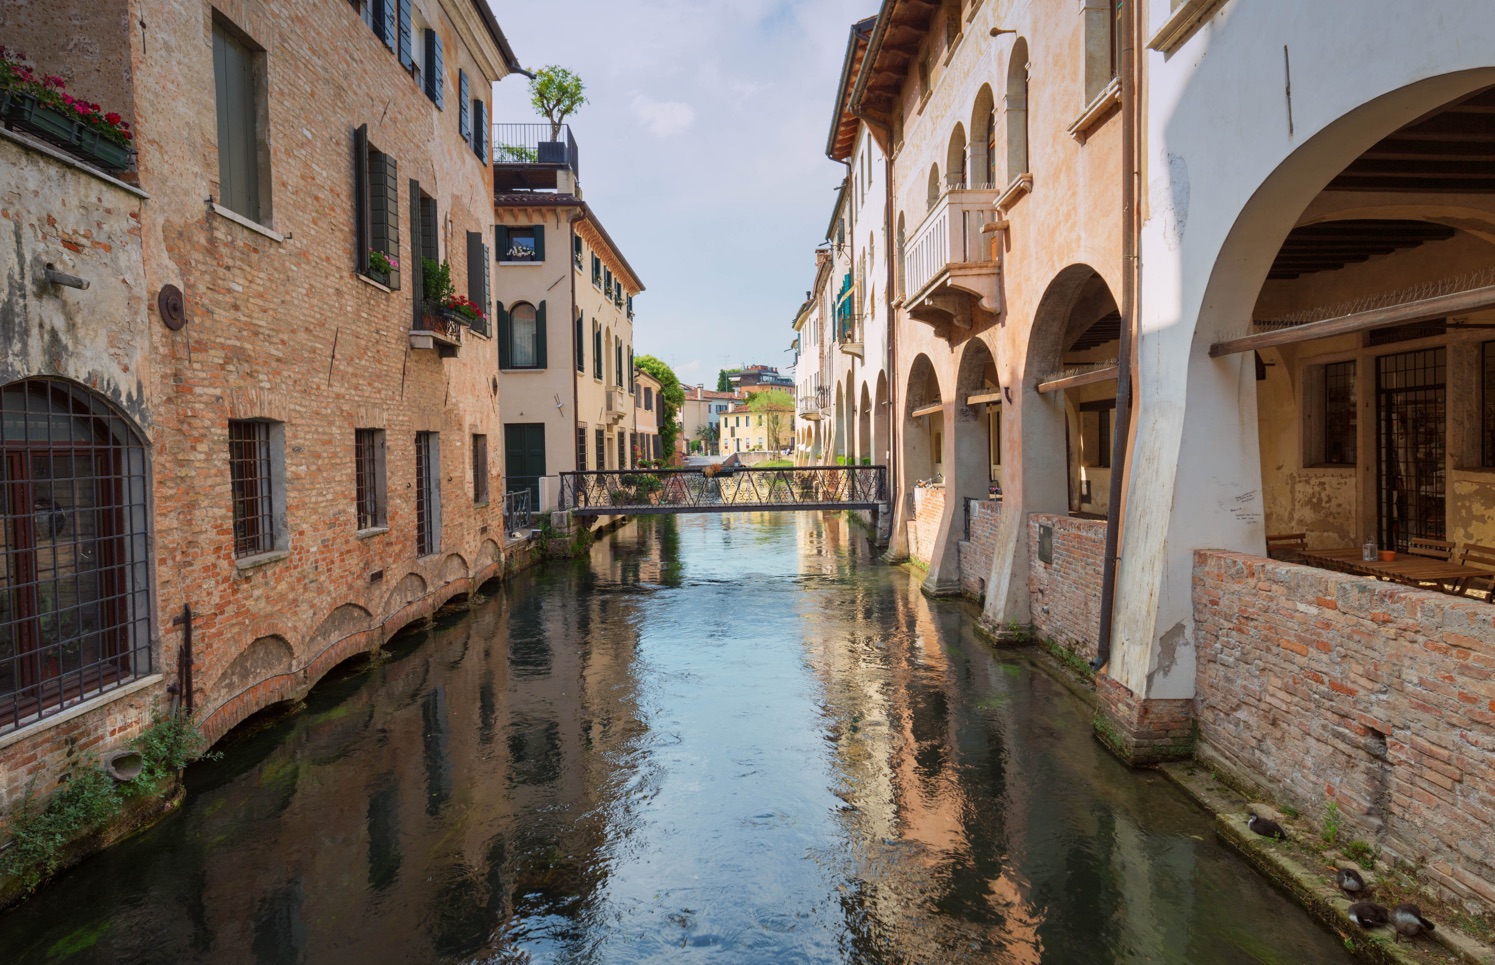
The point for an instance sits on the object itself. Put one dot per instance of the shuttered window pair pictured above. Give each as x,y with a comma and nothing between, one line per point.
377,214
472,118
522,336
519,244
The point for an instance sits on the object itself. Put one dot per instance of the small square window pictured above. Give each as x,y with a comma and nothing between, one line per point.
522,245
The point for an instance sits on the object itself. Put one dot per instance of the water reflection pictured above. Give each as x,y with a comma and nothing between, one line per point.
735,739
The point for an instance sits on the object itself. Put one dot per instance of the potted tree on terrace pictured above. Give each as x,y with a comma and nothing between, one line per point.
556,93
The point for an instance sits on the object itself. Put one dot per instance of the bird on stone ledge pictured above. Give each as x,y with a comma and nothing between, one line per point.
1368,914
1265,827
1349,881
1408,921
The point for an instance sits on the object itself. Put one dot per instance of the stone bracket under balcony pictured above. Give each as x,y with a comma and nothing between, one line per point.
950,268
437,329
854,349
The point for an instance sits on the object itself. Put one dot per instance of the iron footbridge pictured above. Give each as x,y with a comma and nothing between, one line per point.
719,489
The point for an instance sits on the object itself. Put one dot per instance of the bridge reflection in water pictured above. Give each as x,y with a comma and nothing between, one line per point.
714,489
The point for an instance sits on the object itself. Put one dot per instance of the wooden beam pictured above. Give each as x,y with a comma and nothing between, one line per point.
932,409
982,398
1439,306
1106,373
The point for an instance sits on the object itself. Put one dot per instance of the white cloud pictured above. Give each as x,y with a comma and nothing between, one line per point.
662,118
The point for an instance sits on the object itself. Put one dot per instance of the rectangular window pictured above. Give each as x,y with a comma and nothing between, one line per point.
251,472
377,214
1095,433
477,280
433,69
237,73
581,344
480,129
427,493
1487,385
607,282
622,450
601,438
576,246
581,448
520,244
1339,414
596,271
597,350
370,494
480,469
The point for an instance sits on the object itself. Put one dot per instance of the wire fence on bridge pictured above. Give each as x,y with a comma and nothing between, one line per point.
715,489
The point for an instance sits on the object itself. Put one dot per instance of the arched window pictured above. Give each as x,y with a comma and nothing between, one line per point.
934,185
1017,111
523,337
75,616
955,159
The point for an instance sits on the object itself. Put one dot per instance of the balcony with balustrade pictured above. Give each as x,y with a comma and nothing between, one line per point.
950,273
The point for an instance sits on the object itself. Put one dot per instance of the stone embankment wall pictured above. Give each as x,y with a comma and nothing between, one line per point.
1065,593
924,528
1320,686
976,551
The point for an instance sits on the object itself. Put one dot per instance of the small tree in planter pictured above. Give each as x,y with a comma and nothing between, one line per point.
556,93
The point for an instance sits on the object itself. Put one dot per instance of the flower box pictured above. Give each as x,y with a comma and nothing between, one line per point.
102,151
24,111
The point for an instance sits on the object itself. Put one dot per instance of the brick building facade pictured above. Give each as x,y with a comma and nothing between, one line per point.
313,443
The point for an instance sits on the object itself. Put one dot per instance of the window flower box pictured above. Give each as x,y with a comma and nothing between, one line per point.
41,106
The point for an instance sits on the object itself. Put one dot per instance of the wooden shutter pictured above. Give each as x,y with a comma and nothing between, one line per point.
477,276
417,270
632,378
384,209
406,40
464,107
361,242
539,242
501,242
433,69
385,22
505,335
480,130
581,344
597,350
238,141
540,359
430,229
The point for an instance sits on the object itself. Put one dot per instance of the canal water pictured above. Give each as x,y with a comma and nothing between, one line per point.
719,739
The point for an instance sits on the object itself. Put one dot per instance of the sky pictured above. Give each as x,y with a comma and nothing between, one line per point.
702,151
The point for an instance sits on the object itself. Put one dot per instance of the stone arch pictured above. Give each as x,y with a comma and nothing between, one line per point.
923,435
978,421
410,589
955,158
348,630
864,427
454,569
881,442
932,191
983,150
1017,111
264,658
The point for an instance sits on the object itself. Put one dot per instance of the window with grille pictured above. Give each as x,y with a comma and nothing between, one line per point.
601,449
427,493
581,448
480,469
368,461
622,450
1339,414
250,472
1487,403
75,608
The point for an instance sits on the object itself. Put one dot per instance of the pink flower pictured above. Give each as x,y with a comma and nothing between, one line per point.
53,82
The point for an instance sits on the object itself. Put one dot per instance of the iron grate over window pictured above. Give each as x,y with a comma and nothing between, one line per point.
249,470
1411,443
366,478
426,541
75,615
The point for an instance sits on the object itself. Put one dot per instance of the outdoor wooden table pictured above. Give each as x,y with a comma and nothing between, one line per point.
1406,568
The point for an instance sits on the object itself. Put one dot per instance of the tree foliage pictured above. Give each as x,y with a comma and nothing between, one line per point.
556,93
722,385
673,396
777,408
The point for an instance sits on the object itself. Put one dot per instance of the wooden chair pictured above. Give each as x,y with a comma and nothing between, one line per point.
1436,549
1481,558
1290,546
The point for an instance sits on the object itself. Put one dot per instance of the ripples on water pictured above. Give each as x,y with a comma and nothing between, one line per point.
719,739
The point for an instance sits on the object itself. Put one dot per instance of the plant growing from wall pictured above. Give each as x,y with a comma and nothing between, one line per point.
674,399
1332,823
556,93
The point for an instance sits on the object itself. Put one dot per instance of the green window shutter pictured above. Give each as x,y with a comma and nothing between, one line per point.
430,230
581,344
238,143
480,130
487,286
464,107
417,270
540,359
596,350
407,39
384,22
501,242
505,335
433,68
384,209
539,242
477,276
361,198
632,384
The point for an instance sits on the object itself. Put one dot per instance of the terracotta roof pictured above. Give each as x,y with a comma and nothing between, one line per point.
901,27
844,123
496,32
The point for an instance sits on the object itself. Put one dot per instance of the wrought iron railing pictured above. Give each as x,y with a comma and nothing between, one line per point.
518,512
715,489
535,144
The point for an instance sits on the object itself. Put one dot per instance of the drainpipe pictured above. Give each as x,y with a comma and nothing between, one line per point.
572,222
1130,197
890,241
851,247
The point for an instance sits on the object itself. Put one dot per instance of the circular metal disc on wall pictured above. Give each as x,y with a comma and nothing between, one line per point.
169,304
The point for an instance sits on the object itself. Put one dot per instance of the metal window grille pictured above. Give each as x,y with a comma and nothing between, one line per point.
1340,423
425,496
1488,403
622,450
249,470
75,614
1411,442
480,468
581,448
366,469
601,449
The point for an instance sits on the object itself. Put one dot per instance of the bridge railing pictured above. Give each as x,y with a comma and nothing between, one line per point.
714,490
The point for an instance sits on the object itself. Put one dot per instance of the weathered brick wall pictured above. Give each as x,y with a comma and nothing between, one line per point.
924,528
976,553
1065,594
1322,686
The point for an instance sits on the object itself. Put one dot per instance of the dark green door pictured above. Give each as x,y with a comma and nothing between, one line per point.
524,458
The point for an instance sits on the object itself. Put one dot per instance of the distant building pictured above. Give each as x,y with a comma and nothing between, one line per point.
764,428
704,408
647,404
759,375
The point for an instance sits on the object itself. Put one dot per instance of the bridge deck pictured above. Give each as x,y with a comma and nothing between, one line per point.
645,492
